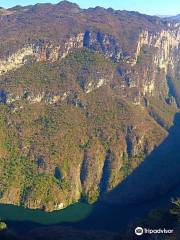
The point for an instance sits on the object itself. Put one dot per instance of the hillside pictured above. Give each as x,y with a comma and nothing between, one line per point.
86,95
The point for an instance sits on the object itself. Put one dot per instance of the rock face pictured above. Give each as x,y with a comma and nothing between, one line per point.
88,94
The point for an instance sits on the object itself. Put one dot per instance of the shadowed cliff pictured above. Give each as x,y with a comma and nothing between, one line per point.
150,186
157,175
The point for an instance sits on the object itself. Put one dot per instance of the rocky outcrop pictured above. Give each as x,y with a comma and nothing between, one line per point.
91,171
16,60
39,50
103,43
165,42
41,97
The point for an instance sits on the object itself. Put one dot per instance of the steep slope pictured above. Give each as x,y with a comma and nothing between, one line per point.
85,97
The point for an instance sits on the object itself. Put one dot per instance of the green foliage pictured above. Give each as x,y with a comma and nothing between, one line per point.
92,195
69,72
174,88
126,169
41,188
176,207
145,51
162,112
65,185
3,226
86,58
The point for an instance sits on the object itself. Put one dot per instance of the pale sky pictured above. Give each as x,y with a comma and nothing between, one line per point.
152,7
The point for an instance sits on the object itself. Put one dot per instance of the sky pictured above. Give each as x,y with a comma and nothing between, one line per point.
152,7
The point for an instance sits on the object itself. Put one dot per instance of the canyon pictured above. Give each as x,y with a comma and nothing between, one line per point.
85,98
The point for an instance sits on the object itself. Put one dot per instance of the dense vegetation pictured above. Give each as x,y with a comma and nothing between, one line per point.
83,137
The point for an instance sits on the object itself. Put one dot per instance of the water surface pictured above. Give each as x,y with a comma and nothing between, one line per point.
73,213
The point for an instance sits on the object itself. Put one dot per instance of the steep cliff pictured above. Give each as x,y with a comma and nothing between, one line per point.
85,97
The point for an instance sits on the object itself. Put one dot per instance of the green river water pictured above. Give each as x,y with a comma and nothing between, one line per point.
74,213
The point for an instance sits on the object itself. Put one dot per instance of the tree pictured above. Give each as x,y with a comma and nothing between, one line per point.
3,225
176,207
